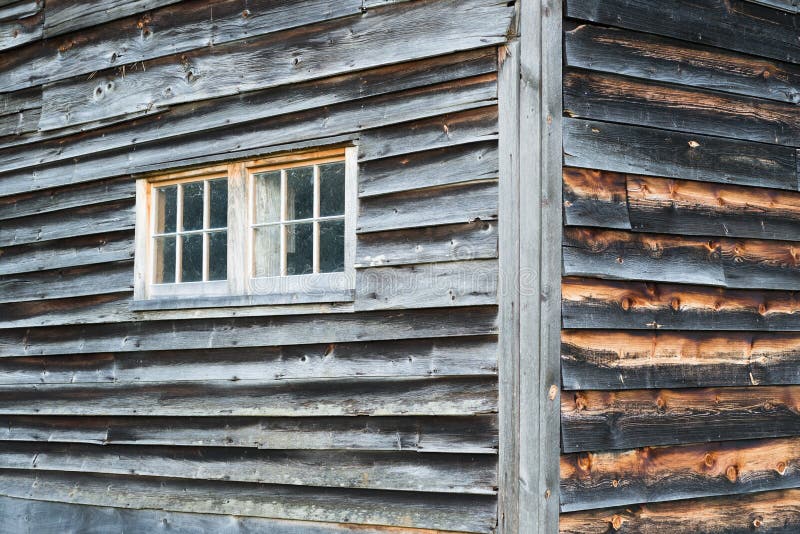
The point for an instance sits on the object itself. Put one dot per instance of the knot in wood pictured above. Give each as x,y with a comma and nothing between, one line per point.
616,522
732,473
781,468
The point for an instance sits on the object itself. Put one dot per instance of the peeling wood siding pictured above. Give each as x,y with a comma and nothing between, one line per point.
679,347
376,416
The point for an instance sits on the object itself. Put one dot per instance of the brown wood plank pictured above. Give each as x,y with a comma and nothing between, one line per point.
655,474
690,156
592,303
607,359
774,511
603,420
90,250
595,198
650,57
621,99
68,282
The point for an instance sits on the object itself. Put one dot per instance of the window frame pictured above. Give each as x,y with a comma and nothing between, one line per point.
242,287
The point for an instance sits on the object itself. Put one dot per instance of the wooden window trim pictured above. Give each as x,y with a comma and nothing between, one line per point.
242,288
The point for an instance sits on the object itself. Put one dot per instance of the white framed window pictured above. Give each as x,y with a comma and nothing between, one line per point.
273,230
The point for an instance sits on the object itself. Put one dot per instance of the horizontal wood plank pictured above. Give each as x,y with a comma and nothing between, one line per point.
366,507
610,360
80,251
467,435
64,16
68,282
689,156
774,511
603,420
656,474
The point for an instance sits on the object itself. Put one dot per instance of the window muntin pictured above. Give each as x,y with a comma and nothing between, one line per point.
190,231
198,232
298,225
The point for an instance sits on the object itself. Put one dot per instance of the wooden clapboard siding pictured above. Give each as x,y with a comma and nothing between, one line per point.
376,415
679,342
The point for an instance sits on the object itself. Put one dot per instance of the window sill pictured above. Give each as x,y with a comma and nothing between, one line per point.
231,301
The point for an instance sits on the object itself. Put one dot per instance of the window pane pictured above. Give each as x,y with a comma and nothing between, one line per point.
268,197
165,260
300,193
331,246
192,266
331,189
299,248
193,206
219,203
267,251
218,256
166,209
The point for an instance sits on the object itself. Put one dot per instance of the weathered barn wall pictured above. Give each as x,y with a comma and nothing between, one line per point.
681,340
379,412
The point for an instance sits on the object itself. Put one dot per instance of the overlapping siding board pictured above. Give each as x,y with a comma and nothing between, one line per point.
680,258
283,419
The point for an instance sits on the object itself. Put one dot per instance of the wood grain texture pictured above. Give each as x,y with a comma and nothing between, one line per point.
299,398
366,507
15,33
399,471
656,474
603,420
405,31
467,435
613,98
774,511
773,33
90,250
425,357
592,303
689,156
147,33
186,119
607,360
651,57
68,282
22,515
595,198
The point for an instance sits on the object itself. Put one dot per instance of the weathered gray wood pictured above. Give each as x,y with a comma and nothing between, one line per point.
458,242
399,471
247,499
654,152
89,250
29,516
445,205
64,16
248,332
468,283
470,126
652,57
69,282
20,9
404,32
20,100
297,398
38,202
191,118
81,221
15,33
191,25
113,307
465,435
428,357
341,119
792,6
19,123
444,166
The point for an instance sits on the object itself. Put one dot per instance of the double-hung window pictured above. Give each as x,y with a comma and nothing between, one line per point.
269,231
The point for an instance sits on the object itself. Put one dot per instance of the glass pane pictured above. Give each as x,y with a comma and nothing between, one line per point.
192,266
299,248
166,209
193,206
300,193
267,251
331,246
219,203
331,189
268,197
218,256
165,260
